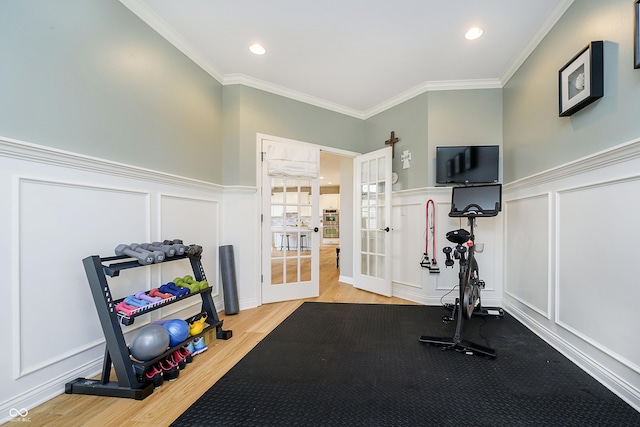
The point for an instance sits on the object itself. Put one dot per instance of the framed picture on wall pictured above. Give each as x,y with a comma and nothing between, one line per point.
636,34
581,80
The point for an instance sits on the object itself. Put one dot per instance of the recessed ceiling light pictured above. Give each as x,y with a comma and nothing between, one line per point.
473,33
257,49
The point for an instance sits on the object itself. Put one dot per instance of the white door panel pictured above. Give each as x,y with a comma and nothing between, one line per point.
290,236
372,240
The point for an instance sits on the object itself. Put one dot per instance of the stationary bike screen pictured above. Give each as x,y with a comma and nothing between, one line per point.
476,200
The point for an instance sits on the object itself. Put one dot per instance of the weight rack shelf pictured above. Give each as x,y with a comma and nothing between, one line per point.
129,371
128,320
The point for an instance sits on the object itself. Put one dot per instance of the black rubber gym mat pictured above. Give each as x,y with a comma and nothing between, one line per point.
335,364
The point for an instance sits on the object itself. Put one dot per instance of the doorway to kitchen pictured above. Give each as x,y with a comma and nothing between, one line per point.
292,216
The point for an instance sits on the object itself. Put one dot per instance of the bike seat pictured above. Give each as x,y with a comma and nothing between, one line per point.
458,236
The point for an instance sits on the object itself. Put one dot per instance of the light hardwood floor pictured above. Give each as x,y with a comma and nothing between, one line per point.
169,401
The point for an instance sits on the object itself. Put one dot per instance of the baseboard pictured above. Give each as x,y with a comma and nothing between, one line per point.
405,293
609,379
248,303
56,386
47,391
345,279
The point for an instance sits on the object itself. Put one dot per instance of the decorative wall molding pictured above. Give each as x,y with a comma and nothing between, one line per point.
239,190
549,246
414,283
626,362
612,156
400,195
12,148
56,196
45,391
609,187
600,372
589,201
556,13
35,253
160,26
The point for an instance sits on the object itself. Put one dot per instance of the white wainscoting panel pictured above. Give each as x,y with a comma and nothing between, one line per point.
414,283
60,208
583,215
195,221
596,261
447,280
58,225
241,229
527,274
408,225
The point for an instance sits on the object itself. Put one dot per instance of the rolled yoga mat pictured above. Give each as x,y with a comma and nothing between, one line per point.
229,286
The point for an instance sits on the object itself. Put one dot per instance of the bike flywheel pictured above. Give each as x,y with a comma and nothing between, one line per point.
469,299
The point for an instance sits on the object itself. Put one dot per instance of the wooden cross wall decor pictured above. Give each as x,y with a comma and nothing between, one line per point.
392,140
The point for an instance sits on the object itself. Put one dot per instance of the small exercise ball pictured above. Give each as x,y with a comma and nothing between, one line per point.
178,331
150,342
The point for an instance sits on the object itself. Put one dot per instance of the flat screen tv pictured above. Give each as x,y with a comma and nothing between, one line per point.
469,164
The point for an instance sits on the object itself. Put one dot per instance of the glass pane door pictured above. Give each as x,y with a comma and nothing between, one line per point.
290,237
290,231
373,262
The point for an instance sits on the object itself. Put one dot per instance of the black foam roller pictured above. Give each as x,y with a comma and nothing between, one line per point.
229,286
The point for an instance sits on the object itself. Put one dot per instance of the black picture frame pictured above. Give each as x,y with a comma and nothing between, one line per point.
581,80
636,34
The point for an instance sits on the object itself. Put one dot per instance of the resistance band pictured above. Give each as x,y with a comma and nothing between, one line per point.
431,231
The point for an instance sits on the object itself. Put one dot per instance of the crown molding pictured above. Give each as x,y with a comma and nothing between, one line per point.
544,28
430,87
243,79
142,11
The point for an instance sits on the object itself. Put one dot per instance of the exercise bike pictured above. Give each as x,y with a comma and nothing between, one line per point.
477,202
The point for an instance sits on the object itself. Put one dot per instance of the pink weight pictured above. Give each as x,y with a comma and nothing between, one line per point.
155,292
125,308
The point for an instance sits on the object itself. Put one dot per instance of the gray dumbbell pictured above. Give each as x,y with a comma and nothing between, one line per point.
190,250
158,246
158,256
143,258
176,245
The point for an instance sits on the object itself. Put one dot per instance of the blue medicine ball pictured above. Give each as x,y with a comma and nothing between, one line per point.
149,342
178,331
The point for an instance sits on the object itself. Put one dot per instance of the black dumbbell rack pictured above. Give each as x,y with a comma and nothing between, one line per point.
131,381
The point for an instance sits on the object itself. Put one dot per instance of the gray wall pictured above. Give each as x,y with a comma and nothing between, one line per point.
535,138
248,111
458,117
409,122
463,117
91,78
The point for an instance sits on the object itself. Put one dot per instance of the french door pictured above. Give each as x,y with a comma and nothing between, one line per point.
290,236
372,240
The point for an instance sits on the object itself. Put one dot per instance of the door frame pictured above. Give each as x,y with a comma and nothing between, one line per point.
259,139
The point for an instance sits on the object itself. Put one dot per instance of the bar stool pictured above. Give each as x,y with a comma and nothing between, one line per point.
303,242
282,242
